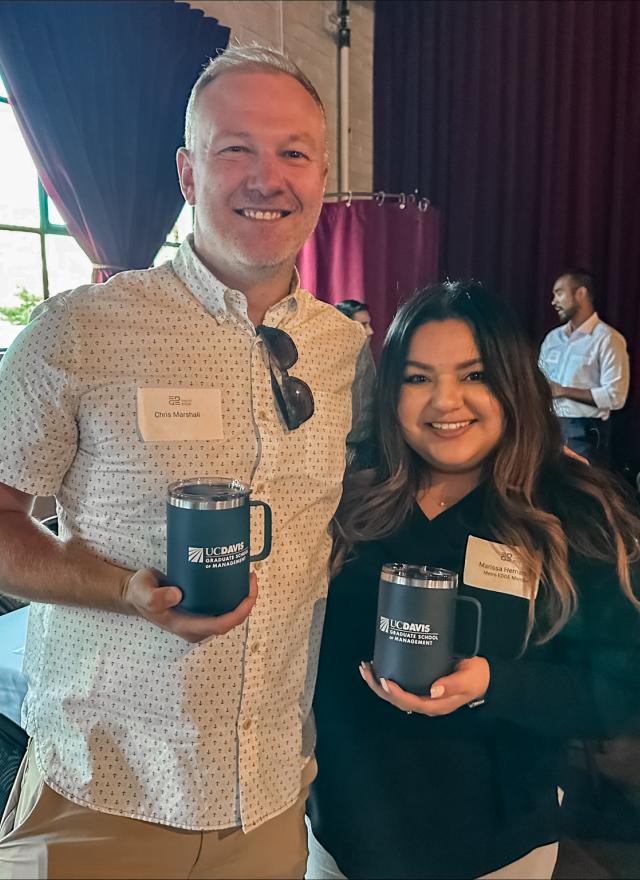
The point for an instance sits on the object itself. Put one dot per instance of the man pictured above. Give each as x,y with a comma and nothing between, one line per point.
165,744
587,365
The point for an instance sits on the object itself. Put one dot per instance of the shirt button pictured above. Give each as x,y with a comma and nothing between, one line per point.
259,488
262,416
246,724
255,647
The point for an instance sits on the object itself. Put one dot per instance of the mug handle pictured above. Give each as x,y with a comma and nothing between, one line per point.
267,531
478,621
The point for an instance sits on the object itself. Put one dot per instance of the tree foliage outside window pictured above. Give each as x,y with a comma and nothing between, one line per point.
19,315
38,256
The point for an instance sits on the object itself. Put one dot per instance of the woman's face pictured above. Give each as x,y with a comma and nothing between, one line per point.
363,317
447,413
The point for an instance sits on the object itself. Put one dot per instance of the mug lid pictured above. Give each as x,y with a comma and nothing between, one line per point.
208,493
424,576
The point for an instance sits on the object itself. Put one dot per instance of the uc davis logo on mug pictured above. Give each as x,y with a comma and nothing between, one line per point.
384,624
221,556
196,554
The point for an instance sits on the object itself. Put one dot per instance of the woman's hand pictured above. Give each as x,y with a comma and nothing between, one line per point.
469,682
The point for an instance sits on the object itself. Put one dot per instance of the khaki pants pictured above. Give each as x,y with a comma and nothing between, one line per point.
43,835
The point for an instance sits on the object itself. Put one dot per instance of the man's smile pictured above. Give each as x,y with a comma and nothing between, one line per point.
262,214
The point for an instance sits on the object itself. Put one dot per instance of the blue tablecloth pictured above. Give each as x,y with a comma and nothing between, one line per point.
13,684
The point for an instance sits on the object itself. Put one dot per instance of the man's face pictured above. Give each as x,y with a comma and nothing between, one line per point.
564,299
257,170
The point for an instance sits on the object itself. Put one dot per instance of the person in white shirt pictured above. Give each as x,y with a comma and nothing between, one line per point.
587,365
165,744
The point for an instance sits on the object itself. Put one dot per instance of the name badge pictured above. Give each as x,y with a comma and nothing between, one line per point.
496,567
180,414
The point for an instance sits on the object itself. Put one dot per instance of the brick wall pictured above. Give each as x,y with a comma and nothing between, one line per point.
301,29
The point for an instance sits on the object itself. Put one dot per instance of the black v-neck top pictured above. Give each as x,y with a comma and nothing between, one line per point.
407,796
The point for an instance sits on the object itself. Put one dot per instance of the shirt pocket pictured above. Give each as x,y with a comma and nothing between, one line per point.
581,371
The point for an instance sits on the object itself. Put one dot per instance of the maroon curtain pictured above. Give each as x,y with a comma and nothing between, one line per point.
521,121
99,91
376,253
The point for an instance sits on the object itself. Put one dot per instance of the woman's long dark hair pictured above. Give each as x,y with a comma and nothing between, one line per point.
538,499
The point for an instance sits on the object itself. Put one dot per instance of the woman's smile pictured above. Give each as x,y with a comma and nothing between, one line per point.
450,430
448,414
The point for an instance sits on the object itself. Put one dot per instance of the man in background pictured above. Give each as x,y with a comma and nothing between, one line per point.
166,744
587,365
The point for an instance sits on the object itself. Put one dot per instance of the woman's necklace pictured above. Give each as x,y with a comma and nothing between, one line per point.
443,502
446,500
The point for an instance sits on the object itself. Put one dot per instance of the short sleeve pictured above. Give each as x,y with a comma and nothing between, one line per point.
38,398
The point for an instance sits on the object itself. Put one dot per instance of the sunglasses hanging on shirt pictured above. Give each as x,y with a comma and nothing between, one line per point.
293,396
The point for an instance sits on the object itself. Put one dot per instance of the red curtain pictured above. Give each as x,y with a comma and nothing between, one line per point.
99,91
520,119
378,254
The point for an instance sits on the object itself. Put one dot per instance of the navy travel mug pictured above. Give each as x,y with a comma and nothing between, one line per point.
416,625
208,542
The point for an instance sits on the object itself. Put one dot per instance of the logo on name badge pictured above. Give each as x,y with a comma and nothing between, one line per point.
499,568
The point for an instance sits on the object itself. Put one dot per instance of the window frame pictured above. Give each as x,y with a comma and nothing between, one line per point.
46,227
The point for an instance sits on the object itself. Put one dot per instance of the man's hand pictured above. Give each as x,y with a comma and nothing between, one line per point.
469,682
556,389
572,454
142,594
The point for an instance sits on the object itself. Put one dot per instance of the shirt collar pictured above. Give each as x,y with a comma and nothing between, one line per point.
224,303
587,327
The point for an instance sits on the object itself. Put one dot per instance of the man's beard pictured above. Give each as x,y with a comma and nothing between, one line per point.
264,262
567,315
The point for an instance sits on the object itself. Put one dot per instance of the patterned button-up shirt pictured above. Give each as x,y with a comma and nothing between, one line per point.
127,718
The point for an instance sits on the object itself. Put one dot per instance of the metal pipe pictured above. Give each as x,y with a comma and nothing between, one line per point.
380,198
344,43
281,24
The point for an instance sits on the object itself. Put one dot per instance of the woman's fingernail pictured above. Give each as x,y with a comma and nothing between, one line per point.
436,692
361,670
385,686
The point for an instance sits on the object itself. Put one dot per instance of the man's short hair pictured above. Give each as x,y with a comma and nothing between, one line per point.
582,278
252,57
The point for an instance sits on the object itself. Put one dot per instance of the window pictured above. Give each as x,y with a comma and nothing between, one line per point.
38,257
181,228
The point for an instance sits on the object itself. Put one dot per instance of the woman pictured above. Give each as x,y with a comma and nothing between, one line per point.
357,311
470,465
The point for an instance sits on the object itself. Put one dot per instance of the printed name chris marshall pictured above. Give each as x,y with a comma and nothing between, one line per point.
176,415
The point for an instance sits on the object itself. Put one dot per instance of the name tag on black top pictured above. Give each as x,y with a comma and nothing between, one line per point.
494,575
496,567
